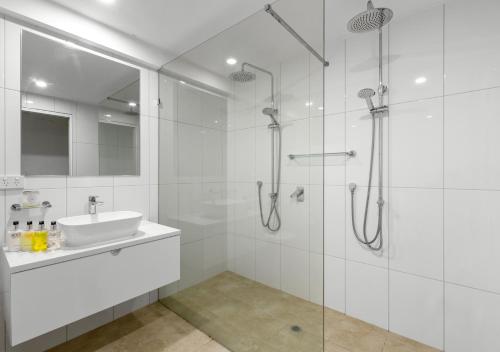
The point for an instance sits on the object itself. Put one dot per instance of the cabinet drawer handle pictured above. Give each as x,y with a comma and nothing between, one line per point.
116,251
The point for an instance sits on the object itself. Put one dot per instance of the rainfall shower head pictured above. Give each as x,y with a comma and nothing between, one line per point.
242,76
369,20
367,94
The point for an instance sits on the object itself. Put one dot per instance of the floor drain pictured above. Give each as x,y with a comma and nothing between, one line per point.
296,328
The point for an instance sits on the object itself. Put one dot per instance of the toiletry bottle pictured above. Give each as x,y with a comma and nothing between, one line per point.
40,238
54,237
27,237
14,238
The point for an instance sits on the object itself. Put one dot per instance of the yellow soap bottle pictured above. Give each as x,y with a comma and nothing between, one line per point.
27,237
40,238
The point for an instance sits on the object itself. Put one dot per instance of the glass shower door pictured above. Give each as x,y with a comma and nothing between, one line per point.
241,174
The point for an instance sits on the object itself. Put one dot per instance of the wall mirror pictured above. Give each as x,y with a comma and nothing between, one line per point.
80,111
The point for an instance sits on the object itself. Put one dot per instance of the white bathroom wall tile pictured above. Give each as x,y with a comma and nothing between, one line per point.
153,93
168,96
168,210
78,199
90,181
3,226
41,343
416,308
2,52
214,158
362,63
153,296
244,209
268,263
189,105
244,256
263,153
65,106
316,286
335,283
295,217
37,182
2,128
168,152
153,203
470,238
57,198
13,137
134,198
214,111
190,153
242,106
416,227
354,249
295,136
231,156
316,163
87,324
231,252
471,25
295,272
244,155
131,305
413,163
192,260
316,213
295,88
190,219
12,56
214,209
335,142
214,255
153,150
470,134
144,101
335,73
335,221
471,320
316,76
358,138
416,56
367,293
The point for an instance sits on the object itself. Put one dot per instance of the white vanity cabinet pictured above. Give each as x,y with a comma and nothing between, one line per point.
45,291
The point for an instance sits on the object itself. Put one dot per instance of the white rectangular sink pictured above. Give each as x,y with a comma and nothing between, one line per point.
85,230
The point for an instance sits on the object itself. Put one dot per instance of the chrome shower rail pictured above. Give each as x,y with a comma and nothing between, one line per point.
350,154
296,35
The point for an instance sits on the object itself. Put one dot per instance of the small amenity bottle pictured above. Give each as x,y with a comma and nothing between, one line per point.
40,238
27,237
14,238
54,236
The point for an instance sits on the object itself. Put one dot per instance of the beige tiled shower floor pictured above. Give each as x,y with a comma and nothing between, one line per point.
244,315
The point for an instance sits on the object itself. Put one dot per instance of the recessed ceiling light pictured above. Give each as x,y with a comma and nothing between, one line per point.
107,2
231,61
182,82
107,115
40,83
132,104
429,116
30,102
421,80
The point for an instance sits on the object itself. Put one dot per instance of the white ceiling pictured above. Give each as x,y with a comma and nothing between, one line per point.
74,74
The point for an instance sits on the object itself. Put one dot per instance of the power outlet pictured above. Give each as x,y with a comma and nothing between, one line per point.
11,182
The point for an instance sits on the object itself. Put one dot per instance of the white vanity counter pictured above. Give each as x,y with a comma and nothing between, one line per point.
45,291
148,231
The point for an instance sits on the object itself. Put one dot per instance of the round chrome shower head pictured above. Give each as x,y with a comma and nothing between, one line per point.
242,76
366,93
369,20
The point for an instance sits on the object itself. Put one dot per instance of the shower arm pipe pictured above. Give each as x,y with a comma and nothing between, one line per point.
243,65
296,35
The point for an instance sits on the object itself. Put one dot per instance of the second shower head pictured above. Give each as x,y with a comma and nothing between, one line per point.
367,94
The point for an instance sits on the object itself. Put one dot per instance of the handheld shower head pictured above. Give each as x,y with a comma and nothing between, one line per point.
367,94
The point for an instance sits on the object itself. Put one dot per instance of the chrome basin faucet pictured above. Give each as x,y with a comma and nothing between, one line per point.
93,203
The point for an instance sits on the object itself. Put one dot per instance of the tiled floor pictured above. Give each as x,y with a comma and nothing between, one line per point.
244,315
151,329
